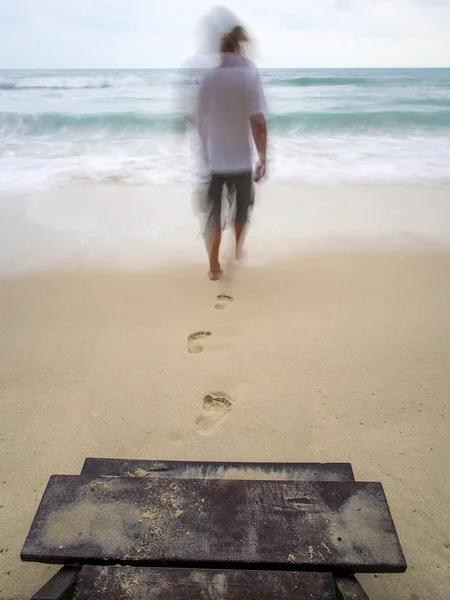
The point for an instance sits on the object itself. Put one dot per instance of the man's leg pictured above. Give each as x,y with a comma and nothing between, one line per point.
214,228
244,202
213,240
240,239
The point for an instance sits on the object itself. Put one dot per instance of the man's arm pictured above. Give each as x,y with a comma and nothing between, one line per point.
202,117
259,132
256,109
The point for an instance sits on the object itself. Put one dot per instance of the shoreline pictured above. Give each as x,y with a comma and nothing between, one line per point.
328,356
142,228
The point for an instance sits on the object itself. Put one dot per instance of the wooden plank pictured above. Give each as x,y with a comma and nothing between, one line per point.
349,588
143,583
61,586
219,470
212,523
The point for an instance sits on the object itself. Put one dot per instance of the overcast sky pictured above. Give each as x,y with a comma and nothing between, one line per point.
159,33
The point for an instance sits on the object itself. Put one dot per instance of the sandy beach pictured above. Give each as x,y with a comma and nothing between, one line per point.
335,352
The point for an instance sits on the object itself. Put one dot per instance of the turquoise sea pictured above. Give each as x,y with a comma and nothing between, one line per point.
122,126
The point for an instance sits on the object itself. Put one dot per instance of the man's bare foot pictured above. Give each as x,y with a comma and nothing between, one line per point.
215,275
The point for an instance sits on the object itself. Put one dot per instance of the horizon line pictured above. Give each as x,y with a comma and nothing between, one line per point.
187,68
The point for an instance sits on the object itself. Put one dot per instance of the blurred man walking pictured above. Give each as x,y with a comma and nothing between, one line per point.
231,107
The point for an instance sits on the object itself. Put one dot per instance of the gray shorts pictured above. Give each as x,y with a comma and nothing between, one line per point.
241,194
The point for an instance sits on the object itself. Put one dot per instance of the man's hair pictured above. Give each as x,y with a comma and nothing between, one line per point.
236,41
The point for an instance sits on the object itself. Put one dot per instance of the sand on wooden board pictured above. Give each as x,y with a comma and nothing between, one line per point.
328,357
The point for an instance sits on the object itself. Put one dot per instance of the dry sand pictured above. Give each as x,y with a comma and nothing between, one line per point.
330,357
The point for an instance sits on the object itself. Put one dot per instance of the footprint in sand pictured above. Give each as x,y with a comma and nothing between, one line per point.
192,342
223,301
215,408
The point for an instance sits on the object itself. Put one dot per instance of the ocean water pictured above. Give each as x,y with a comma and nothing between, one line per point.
61,128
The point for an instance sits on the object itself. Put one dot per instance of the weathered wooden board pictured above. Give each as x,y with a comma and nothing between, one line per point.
61,585
144,583
212,523
219,470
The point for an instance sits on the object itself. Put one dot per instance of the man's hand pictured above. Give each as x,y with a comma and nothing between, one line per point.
260,171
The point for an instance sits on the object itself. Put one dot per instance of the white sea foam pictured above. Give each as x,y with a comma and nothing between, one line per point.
45,163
